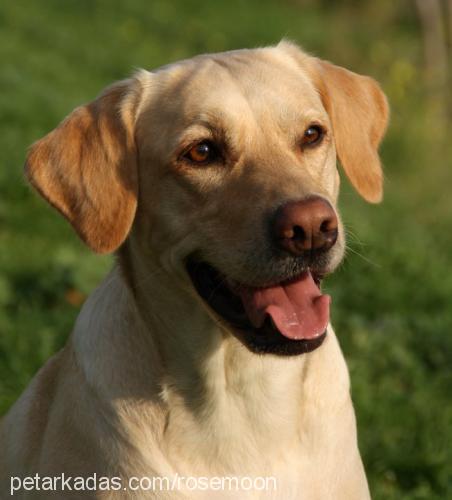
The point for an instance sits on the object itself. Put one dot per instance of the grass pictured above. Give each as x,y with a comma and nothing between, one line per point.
392,296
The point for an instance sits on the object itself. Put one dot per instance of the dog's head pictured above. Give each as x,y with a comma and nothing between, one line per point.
227,161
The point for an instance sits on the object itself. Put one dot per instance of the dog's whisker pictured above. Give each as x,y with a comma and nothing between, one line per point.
353,236
360,255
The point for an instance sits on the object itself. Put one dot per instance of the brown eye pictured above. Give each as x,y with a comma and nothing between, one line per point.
202,153
312,135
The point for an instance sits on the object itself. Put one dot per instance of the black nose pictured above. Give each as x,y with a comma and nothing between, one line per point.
305,225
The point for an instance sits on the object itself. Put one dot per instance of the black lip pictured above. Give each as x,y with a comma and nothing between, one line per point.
211,287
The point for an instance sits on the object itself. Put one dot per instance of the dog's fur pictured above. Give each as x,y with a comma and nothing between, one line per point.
150,382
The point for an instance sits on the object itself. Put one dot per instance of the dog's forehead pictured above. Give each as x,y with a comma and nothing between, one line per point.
260,82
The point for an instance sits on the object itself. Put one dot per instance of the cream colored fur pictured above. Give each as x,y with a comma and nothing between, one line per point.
149,382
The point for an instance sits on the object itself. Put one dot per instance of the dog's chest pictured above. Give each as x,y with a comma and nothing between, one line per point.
255,430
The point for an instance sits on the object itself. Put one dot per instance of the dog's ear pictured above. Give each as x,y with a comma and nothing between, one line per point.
359,113
87,167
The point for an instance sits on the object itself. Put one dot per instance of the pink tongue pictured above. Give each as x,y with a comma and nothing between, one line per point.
297,309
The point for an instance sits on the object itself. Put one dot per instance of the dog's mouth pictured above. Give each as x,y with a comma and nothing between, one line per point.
286,318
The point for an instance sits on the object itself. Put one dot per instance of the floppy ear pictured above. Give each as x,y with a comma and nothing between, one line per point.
87,167
359,113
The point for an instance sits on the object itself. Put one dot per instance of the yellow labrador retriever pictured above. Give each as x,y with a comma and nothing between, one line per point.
207,352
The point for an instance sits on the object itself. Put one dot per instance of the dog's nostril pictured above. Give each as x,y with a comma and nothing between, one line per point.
299,233
325,226
330,236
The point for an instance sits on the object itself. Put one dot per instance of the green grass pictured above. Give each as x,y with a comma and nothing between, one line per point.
391,297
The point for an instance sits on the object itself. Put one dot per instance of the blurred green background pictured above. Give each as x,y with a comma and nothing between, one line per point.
391,297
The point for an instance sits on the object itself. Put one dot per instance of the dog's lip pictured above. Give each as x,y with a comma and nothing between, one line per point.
222,296
235,285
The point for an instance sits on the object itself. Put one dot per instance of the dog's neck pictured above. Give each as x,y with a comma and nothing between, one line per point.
211,388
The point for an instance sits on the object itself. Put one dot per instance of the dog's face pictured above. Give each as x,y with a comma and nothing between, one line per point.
227,161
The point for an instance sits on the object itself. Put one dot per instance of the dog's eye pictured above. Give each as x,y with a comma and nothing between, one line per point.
312,135
202,153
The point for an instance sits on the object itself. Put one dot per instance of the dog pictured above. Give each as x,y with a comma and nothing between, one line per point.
207,351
